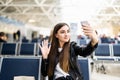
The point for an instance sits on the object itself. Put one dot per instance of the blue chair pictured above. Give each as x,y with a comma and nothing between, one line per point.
27,49
12,67
83,41
116,50
85,67
9,49
103,52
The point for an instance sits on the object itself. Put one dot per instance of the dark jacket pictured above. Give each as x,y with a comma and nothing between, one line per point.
1,40
75,50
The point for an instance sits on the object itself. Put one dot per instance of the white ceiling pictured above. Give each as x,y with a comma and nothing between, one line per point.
37,12
46,13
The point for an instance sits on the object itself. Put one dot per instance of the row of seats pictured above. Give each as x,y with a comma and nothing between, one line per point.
85,41
31,66
107,52
15,65
103,51
20,49
22,66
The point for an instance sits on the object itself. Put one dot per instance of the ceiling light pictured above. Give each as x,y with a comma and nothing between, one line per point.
31,20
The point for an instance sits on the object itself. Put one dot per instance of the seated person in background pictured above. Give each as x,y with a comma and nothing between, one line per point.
3,37
104,39
24,39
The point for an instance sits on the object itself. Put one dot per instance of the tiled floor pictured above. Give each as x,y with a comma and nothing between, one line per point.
99,76
109,71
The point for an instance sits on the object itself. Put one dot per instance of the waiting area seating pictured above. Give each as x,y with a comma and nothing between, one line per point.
19,64
103,52
19,49
24,66
27,49
84,64
116,51
12,67
9,48
107,52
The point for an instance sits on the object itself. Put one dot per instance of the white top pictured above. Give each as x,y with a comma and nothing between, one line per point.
58,71
59,49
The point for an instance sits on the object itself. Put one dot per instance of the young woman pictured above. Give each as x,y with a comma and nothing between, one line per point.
59,60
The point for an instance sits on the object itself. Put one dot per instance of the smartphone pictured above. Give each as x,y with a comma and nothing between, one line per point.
84,23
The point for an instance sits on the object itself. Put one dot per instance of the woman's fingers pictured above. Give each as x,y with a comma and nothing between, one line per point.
88,30
45,42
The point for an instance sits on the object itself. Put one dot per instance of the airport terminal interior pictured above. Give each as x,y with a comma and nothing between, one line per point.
25,23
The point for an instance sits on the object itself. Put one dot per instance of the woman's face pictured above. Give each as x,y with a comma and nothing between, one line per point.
63,34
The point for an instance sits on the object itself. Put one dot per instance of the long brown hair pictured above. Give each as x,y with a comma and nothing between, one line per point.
64,56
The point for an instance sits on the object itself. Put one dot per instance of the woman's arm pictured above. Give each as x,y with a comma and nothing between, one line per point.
44,67
45,51
84,51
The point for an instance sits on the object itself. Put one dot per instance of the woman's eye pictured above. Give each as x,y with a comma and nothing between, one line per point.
62,32
68,31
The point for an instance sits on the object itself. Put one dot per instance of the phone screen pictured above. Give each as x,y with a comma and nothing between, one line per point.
83,23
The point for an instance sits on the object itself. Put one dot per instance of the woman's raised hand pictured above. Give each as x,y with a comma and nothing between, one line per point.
89,31
44,48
